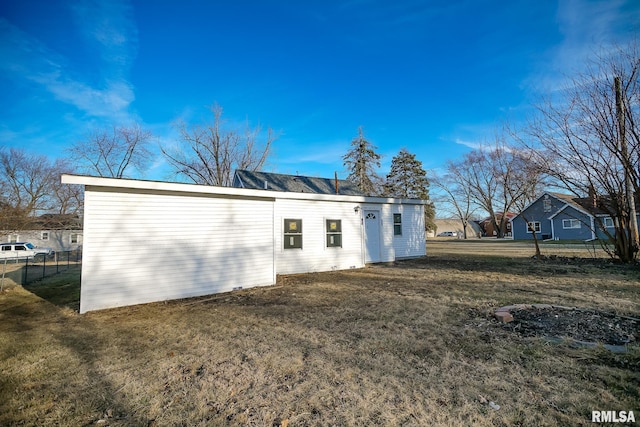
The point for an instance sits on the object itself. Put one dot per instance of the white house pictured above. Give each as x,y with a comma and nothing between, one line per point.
146,241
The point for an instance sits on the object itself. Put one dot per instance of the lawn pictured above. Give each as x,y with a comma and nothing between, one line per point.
412,343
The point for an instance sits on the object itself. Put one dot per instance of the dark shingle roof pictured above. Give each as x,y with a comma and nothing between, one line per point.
599,206
293,183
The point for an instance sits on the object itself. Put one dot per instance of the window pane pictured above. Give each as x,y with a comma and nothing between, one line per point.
334,240
293,241
533,226
293,226
334,226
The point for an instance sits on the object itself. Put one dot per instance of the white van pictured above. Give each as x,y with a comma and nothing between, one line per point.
21,250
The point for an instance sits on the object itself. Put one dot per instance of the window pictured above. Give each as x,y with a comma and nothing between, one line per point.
334,233
20,248
546,203
608,222
570,223
397,224
533,226
13,238
293,234
6,247
74,238
45,235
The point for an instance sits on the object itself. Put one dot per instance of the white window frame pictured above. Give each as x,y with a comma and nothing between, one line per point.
536,226
78,237
44,235
13,238
571,223
608,220
397,226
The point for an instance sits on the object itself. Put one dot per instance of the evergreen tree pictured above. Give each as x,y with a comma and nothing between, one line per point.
407,179
361,161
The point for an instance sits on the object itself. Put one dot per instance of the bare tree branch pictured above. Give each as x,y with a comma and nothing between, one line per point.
209,154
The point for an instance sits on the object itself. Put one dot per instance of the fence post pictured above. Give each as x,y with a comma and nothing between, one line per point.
26,269
4,270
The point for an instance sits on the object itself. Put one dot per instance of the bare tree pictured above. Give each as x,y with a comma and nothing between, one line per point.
65,199
113,152
26,182
587,138
209,154
497,178
458,197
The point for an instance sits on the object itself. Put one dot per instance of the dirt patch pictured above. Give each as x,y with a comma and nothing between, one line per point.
579,324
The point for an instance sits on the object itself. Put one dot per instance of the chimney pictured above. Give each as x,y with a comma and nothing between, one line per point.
266,184
336,179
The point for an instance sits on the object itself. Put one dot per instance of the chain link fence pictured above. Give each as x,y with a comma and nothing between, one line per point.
24,271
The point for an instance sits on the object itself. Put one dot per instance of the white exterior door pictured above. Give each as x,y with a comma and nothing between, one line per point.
372,236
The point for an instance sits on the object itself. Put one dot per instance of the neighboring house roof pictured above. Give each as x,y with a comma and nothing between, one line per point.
51,222
584,204
293,183
487,220
57,222
587,205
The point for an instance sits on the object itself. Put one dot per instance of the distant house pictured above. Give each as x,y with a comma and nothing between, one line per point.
293,183
148,241
562,217
489,230
60,232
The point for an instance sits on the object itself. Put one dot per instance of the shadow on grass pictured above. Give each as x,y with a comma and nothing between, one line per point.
62,289
519,266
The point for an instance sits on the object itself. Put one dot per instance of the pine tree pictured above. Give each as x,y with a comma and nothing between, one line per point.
407,179
361,162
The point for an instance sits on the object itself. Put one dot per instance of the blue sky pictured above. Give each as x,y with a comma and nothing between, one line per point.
436,77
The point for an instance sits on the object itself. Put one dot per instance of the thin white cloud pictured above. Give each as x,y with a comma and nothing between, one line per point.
109,25
471,144
587,28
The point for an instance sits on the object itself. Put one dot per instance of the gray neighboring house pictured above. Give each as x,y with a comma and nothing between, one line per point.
293,183
58,232
556,216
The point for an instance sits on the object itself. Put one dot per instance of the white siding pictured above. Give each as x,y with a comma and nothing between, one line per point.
143,246
315,255
412,242
148,241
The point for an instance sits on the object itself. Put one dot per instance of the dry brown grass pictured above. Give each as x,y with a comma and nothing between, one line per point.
407,344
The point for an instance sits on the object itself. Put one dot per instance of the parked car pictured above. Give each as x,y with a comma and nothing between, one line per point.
448,234
21,250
